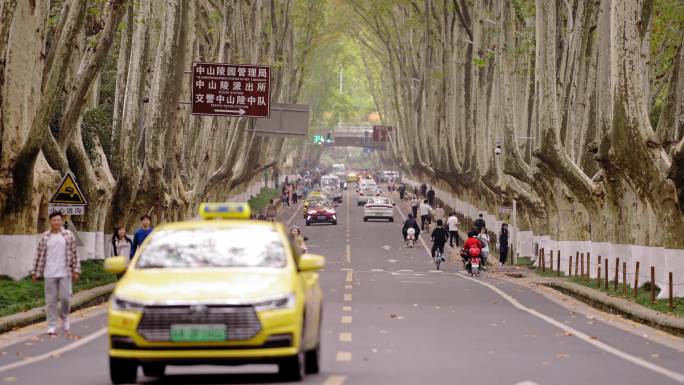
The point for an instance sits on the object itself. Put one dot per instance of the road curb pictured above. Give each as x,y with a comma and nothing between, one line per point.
80,300
620,306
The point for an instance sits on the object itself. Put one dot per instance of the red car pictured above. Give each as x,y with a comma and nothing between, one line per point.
320,214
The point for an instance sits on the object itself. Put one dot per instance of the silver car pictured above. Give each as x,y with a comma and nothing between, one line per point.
378,208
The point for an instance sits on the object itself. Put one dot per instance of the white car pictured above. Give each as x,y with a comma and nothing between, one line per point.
378,208
366,193
363,183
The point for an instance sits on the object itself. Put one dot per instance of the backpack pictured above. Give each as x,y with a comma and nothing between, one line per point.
474,251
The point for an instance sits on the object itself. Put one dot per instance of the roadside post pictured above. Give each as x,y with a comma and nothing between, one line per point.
605,263
669,290
653,285
570,266
576,263
617,271
636,280
624,279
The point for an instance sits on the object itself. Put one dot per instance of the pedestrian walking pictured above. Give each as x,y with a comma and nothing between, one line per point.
141,233
286,195
480,223
271,211
503,244
424,211
483,237
57,263
438,213
121,243
452,225
295,193
423,190
402,191
414,205
431,197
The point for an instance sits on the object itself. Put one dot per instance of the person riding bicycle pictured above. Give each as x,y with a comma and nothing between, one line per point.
440,236
410,223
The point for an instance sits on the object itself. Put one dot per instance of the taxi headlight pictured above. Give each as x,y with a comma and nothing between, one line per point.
283,302
126,305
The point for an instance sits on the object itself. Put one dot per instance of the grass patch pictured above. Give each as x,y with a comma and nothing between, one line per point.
260,201
24,294
643,298
523,261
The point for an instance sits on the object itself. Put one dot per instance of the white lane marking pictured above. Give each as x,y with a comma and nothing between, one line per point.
348,253
54,353
377,270
582,336
335,380
346,319
343,357
294,214
345,337
347,297
416,282
526,383
405,271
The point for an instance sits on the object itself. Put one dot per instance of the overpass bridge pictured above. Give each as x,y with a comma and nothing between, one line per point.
354,136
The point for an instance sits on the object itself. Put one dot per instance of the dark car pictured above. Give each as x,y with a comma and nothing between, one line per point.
320,213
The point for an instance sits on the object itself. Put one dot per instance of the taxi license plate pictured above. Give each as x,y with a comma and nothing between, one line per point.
321,217
198,333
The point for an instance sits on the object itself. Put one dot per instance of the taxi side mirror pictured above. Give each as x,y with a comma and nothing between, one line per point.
116,265
311,262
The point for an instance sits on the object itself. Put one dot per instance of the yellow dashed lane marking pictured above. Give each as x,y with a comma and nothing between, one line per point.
349,276
343,357
345,337
348,253
348,287
346,308
335,380
347,297
346,319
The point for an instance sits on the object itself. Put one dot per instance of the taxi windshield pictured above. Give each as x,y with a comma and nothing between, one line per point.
214,247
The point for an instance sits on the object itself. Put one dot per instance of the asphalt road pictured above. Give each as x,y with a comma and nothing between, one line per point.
391,319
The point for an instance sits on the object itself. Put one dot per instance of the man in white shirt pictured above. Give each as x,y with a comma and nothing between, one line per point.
452,226
414,206
57,263
424,211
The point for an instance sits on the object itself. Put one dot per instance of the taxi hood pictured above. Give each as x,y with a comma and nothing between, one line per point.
211,285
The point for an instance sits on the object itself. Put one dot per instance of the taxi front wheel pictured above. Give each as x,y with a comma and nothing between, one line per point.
122,371
293,368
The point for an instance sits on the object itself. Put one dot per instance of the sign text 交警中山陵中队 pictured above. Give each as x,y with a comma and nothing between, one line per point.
231,89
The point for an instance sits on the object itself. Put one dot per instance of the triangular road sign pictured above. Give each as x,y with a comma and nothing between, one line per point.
68,192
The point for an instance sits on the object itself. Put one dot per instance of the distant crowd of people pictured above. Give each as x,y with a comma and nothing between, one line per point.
425,211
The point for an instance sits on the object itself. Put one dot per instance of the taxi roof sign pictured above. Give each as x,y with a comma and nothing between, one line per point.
224,210
68,192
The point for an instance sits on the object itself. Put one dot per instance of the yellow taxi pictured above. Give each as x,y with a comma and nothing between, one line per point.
352,177
221,290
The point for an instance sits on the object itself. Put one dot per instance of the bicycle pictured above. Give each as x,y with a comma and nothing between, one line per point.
439,258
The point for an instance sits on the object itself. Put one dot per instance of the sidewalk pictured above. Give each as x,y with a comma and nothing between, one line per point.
594,298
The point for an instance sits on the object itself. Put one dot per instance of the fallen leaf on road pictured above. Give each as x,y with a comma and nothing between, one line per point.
546,363
56,355
594,337
567,334
654,355
562,355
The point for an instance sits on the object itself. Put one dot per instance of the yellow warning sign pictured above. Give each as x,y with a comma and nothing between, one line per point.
68,192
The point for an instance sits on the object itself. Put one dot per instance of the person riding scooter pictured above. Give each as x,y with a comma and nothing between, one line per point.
471,246
410,223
